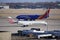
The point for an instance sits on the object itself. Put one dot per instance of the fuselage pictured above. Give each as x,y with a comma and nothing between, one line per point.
29,17
32,22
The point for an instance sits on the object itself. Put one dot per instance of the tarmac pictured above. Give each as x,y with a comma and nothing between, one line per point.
53,20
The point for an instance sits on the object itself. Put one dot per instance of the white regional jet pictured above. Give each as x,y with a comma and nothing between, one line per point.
26,23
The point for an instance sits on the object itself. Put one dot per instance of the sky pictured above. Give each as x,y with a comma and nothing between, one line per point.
14,1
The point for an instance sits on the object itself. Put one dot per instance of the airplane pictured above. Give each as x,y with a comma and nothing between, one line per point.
34,17
32,20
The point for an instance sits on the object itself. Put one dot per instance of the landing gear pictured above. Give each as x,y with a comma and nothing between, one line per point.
25,26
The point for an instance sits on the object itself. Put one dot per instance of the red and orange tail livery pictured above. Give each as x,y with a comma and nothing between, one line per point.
46,14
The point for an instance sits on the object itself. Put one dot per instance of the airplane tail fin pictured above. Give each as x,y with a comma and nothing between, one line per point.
11,20
45,15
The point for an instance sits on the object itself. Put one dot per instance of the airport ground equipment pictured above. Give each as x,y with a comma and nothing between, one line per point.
55,33
34,33
38,34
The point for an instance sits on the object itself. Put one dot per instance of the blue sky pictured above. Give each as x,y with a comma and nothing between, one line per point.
8,1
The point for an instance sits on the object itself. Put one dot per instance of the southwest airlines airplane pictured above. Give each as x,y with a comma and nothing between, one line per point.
26,20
